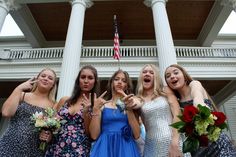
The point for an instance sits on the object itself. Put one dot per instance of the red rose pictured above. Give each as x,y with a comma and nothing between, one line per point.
203,141
189,129
189,112
220,118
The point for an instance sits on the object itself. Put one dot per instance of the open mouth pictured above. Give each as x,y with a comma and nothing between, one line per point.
174,82
147,80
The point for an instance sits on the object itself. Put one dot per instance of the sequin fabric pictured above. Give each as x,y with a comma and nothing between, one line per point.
157,117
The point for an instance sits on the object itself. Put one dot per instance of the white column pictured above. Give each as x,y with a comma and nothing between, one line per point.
72,51
230,3
164,41
3,13
5,7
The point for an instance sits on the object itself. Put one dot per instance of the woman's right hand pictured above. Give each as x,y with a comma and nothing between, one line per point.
45,135
10,105
27,85
131,101
99,102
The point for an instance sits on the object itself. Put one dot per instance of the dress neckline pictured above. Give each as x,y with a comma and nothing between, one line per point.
190,102
29,104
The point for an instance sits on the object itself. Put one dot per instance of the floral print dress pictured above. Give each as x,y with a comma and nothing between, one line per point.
71,141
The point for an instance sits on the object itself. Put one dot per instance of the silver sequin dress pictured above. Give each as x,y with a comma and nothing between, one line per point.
157,117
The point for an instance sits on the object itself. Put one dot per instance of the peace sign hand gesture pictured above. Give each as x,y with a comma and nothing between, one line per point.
86,102
99,102
27,85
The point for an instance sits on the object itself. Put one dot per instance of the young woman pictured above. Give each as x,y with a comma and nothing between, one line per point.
73,139
20,138
159,110
113,126
191,92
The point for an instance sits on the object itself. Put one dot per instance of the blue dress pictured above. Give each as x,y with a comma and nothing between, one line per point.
20,138
71,140
116,139
223,147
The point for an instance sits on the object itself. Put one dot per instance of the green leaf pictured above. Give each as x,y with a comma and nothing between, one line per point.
180,117
223,126
190,145
178,125
204,111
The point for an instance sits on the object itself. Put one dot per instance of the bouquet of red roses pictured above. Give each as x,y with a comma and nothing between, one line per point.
200,126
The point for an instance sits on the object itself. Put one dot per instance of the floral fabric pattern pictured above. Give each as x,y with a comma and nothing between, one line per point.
71,140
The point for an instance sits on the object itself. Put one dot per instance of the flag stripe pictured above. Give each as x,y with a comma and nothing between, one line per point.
116,42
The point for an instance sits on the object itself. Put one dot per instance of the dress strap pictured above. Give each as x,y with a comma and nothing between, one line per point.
23,98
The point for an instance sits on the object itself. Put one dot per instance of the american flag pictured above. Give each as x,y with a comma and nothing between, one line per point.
116,41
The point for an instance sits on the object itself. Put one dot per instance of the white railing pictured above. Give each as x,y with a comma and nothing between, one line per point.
126,51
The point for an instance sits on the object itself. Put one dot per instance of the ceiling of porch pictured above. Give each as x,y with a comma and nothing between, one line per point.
134,19
190,20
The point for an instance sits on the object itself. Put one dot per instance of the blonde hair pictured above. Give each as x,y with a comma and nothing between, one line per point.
53,90
158,84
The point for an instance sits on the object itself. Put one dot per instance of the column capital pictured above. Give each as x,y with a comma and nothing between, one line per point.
85,3
9,5
150,3
230,3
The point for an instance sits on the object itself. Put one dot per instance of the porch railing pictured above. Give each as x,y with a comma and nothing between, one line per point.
126,51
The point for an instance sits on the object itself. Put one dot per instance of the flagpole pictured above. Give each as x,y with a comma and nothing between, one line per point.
116,42
119,63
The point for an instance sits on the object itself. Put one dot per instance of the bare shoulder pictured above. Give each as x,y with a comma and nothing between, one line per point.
61,102
168,90
195,83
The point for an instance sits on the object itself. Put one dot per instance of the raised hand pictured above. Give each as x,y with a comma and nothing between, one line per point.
86,102
99,101
27,85
130,100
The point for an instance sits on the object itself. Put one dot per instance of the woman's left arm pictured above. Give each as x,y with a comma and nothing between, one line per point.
134,124
175,110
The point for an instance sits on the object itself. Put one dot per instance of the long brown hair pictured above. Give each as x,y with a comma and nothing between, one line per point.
187,79
129,88
77,90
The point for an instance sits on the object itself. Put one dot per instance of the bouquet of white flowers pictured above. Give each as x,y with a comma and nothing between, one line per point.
48,120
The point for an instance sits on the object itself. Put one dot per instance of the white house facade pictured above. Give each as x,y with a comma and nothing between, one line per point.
151,33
